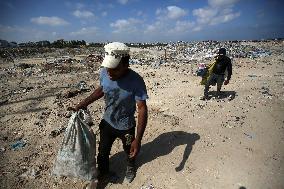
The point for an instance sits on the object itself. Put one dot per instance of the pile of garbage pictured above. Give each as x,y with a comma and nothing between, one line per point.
175,52
92,58
207,49
63,59
11,54
195,52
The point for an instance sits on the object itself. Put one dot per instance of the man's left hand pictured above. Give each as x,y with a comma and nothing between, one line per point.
226,82
135,148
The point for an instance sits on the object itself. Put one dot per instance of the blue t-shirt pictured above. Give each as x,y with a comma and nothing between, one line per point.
120,98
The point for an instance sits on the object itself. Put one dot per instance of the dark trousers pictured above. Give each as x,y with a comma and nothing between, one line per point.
108,134
212,80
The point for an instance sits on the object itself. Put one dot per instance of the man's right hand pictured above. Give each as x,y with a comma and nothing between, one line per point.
71,109
75,109
135,148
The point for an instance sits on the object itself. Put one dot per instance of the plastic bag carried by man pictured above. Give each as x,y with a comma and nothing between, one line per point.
76,156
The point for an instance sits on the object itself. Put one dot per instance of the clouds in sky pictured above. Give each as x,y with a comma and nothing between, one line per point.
222,3
51,21
88,31
171,12
83,14
26,31
163,22
168,20
217,12
176,20
182,27
125,25
119,18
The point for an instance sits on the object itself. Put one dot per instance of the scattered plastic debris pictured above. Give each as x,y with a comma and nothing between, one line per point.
252,75
201,71
18,145
150,186
248,135
82,85
56,132
2,149
31,173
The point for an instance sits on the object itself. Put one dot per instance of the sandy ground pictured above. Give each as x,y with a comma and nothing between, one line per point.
234,141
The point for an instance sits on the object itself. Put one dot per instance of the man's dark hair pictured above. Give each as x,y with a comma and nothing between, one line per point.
125,60
222,51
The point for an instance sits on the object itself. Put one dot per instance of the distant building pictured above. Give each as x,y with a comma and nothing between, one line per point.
4,43
27,44
43,43
13,44
22,45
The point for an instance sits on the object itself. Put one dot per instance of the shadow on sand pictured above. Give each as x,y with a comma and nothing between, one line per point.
160,146
222,95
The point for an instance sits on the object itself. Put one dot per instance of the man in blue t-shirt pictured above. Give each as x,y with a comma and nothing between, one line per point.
123,89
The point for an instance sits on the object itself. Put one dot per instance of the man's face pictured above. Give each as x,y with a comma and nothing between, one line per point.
118,72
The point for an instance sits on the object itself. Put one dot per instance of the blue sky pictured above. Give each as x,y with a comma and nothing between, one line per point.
140,20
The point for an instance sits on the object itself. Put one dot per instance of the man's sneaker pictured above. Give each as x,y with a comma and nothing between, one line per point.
130,173
91,185
219,94
203,98
108,177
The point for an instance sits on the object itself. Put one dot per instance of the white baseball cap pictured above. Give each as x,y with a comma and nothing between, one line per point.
113,53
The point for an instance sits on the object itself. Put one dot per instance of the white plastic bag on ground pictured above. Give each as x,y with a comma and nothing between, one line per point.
76,156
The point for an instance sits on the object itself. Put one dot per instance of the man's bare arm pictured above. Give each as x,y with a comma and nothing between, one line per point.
97,94
142,122
142,119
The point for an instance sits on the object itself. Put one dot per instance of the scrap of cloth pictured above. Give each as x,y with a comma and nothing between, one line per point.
209,72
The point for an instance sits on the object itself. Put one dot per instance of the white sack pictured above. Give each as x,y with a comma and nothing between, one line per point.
76,156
